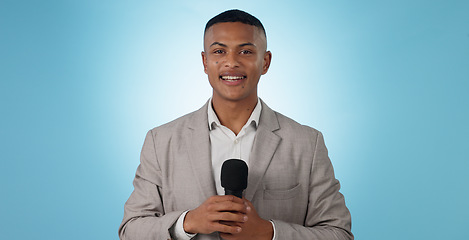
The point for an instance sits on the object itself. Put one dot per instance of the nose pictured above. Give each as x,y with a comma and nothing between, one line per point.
231,60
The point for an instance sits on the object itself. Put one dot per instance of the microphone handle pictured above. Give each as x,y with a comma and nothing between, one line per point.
235,193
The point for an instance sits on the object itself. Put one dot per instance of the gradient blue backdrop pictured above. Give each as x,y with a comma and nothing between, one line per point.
82,82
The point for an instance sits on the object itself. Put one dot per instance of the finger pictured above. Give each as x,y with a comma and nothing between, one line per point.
222,228
247,202
230,217
225,198
249,205
227,206
232,223
236,199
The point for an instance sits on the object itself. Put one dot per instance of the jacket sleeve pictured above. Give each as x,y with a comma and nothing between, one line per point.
144,214
327,216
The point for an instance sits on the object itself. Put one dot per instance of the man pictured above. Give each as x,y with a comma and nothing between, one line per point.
292,192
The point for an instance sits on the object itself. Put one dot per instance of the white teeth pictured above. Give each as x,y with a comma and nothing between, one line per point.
231,78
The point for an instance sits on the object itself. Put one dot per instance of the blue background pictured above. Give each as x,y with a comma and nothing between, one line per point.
82,82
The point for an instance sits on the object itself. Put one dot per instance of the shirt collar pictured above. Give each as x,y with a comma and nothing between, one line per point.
213,119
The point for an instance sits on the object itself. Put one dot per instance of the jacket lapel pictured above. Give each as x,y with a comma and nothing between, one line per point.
198,142
265,145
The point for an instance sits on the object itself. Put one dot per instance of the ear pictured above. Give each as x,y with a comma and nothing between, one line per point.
266,63
204,61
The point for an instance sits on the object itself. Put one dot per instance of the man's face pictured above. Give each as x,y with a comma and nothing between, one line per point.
235,57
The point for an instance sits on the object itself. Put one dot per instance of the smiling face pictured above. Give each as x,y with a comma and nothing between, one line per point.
234,59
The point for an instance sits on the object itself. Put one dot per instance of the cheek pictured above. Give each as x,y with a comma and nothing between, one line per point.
256,68
213,64
212,73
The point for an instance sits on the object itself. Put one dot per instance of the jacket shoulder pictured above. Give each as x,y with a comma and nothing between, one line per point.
181,124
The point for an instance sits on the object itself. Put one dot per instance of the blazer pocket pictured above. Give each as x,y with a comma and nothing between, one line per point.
281,194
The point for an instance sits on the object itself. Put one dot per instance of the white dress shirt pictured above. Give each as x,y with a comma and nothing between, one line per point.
225,144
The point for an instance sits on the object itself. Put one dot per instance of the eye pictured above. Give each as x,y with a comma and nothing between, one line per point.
218,51
246,52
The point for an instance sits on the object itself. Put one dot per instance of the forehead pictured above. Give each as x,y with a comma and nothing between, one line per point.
234,32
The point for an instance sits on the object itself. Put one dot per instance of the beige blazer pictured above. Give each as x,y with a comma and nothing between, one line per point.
291,180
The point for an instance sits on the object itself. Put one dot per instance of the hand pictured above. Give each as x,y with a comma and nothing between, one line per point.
254,228
214,213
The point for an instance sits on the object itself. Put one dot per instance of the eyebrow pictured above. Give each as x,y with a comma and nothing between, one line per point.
247,44
218,43
224,45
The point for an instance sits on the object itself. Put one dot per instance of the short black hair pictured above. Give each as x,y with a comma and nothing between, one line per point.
235,15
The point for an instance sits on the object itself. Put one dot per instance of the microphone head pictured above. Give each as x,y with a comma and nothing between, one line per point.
234,175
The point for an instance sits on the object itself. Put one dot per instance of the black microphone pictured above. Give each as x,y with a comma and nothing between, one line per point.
234,177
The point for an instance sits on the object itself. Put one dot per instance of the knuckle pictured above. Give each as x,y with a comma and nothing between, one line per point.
212,216
212,225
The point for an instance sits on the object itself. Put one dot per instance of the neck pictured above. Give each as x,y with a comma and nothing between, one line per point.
233,114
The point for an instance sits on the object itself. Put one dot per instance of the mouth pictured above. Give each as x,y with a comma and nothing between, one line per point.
230,78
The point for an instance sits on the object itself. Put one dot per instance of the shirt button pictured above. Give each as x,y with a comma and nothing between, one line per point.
236,141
